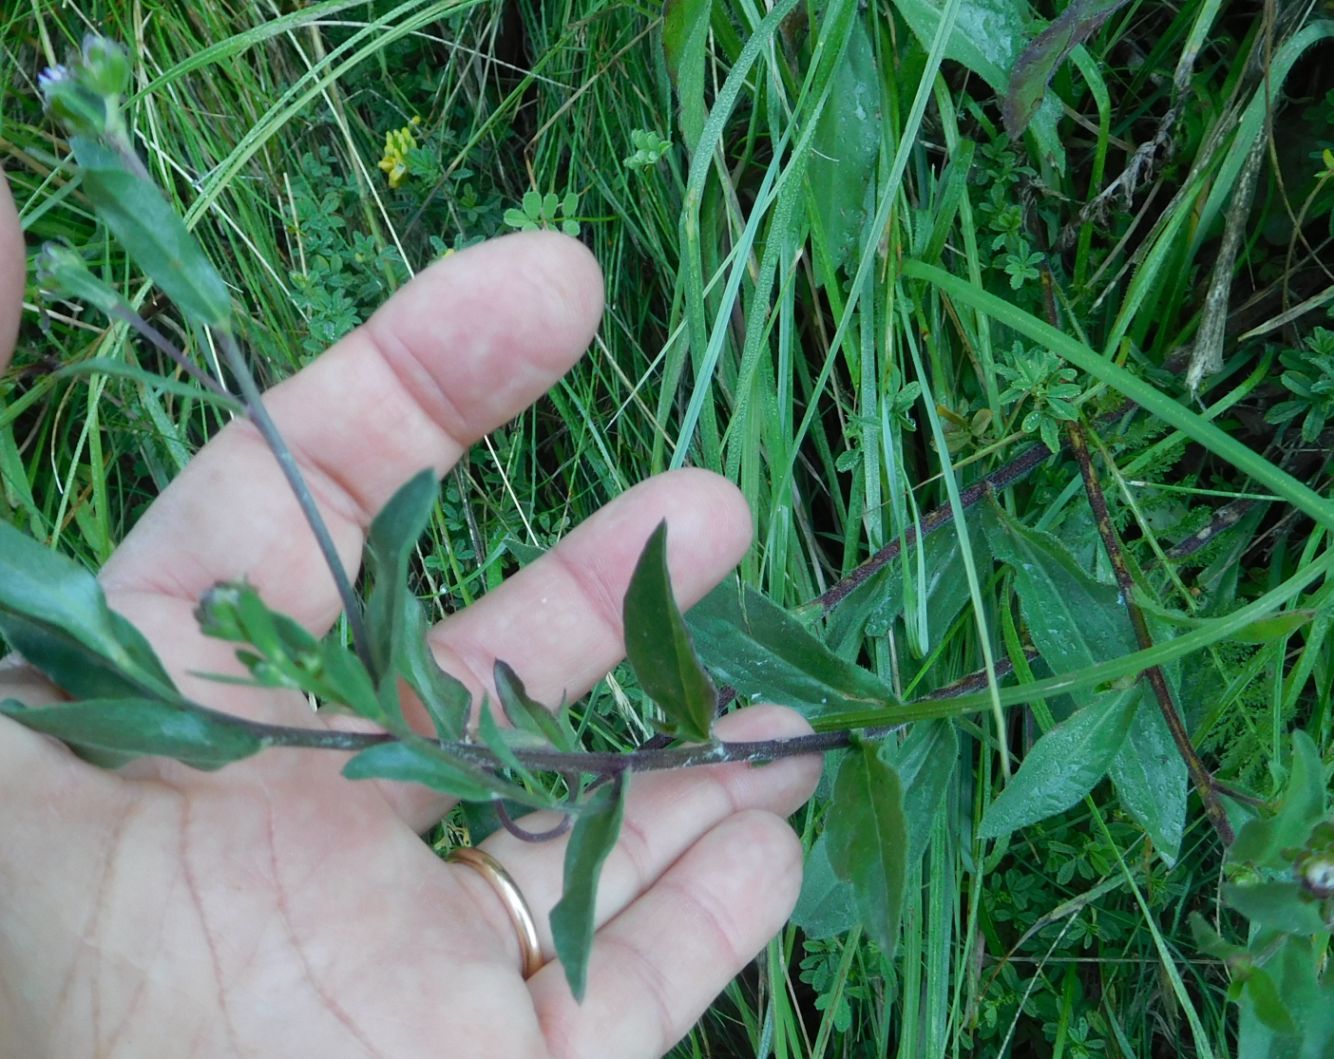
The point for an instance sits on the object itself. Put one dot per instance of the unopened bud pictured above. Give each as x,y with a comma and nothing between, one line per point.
62,273
106,66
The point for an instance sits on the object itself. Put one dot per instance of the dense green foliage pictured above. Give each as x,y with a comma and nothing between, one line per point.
835,277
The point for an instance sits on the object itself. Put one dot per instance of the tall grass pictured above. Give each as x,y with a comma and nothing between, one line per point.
818,291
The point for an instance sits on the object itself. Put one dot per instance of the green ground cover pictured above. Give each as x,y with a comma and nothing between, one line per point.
864,260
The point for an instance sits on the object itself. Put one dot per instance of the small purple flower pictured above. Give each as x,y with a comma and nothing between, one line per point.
52,76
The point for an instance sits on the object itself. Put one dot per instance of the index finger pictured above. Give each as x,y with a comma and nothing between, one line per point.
468,344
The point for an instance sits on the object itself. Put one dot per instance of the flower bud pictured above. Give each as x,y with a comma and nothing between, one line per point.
62,273
105,68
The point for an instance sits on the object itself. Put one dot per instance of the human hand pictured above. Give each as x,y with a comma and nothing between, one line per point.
275,908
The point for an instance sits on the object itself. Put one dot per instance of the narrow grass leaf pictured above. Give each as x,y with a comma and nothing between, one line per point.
658,646
868,840
54,613
592,839
152,233
759,649
176,387
110,732
1063,765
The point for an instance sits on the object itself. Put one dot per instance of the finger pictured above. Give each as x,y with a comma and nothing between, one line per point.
558,621
665,814
13,271
656,967
461,349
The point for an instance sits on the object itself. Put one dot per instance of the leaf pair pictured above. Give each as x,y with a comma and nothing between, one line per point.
1077,622
54,613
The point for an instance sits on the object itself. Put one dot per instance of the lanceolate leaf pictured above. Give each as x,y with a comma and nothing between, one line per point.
685,35
111,732
417,761
53,612
152,233
759,649
846,146
592,839
658,645
393,534
528,715
925,764
446,699
1078,622
868,840
1040,60
1063,765
1150,778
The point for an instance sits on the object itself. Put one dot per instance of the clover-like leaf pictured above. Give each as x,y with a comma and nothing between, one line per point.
658,645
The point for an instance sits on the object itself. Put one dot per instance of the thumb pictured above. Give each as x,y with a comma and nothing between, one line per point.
13,271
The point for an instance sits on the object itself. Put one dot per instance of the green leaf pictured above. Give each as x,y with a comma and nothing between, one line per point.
658,647
1150,778
925,763
1037,63
868,840
1269,1007
446,700
1260,842
826,905
846,146
592,839
393,534
1276,904
110,732
152,233
685,34
53,612
151,380
413,760
532,205
1063,765
1076,622
528,715
987,37
762,651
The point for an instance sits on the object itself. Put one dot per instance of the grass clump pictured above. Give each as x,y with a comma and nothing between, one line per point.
769,192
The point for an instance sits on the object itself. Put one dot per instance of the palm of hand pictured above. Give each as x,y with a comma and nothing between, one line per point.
277,909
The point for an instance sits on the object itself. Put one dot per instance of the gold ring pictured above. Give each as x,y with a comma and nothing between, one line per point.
530,949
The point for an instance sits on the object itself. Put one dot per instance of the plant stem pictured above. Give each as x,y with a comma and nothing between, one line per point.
164,345
601,763
1204,782
268,430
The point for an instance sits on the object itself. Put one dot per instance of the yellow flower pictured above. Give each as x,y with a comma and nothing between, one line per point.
397,144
